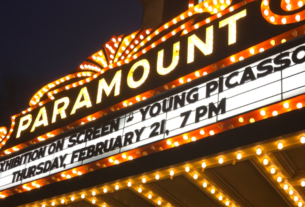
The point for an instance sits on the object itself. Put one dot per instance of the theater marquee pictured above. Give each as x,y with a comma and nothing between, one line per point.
231,68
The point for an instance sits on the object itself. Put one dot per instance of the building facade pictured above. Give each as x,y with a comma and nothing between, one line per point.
202,106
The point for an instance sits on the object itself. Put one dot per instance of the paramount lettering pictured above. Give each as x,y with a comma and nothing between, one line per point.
113,86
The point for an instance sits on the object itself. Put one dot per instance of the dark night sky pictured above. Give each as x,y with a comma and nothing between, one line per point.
42,41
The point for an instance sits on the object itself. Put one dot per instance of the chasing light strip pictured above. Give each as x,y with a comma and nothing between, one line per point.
281,19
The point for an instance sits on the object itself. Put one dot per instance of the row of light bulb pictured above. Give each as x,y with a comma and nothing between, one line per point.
289,6
45,89
273,17
195,176
182,17
187,169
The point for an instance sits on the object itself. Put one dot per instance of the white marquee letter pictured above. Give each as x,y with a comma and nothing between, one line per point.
62,110
231,21
135,84
175,60
41,119
103,86
206,48
83,94
23,126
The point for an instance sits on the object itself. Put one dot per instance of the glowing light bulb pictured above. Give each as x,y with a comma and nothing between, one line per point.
272,171
280,145
232,59
263,112
258,151
303,140
300,3
143,180
299,105
213,191
274,113
203,165
265,162
185,137
220,161
187,169
204,184
171,173
266,12
195,176
279,179
286,105
129,184
286,187
239,156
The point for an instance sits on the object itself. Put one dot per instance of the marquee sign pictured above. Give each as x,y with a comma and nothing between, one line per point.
139,66
273,79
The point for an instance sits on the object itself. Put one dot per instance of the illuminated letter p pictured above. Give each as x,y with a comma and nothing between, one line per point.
23,126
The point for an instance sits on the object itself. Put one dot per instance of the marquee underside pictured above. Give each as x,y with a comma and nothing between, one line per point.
247,182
